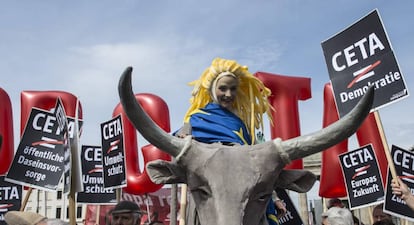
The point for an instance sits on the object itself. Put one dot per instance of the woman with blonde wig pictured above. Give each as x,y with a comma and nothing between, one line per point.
227,107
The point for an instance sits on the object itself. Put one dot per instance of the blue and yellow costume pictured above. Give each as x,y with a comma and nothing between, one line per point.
208,122
214,123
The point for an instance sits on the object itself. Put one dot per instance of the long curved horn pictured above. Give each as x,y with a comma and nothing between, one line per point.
142,122
303,146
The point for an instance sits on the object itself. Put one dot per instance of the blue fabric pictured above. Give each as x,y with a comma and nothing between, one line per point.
271,213
216,124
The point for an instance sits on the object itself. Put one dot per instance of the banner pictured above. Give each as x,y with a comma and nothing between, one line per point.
361,56
155,207
362,177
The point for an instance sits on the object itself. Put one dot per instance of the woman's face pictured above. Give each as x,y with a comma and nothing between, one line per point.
226,90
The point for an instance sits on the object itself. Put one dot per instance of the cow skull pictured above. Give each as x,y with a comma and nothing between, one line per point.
232,184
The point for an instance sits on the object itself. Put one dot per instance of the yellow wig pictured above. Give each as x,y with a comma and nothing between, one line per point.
251,98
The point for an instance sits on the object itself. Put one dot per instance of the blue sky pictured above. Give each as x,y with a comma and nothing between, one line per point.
82,47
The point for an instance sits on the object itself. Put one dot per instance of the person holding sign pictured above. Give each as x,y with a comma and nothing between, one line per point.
401,190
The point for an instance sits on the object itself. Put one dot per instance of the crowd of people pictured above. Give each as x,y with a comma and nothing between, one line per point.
338,214
129,213
221,111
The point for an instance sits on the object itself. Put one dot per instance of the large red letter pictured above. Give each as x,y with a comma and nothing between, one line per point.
139,183
286,92
332,183
6,131
46,100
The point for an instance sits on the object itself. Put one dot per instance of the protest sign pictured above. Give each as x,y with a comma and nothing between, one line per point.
92,178
361,56
404,166
362,177
39,159
113,154
72,177
10,198
63,129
